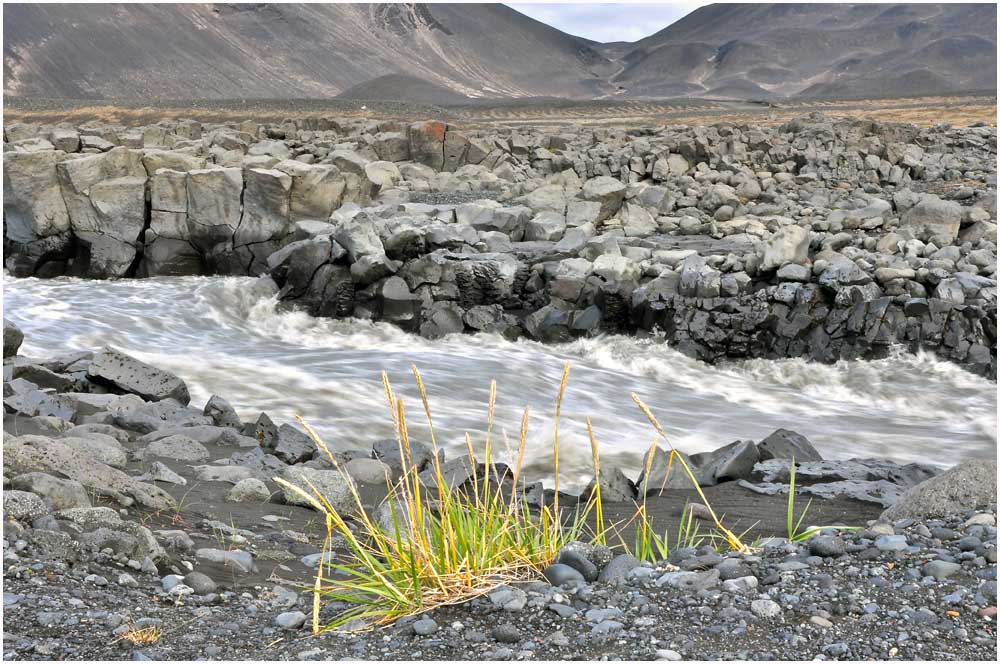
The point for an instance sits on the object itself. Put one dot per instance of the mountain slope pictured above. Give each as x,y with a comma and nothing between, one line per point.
733,50
163,51
446,53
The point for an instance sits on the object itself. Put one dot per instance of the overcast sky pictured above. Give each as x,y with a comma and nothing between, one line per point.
607,21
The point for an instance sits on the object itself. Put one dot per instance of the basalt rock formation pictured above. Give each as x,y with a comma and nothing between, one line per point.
819,238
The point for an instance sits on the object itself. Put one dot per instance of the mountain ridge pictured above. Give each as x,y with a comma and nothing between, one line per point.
422,52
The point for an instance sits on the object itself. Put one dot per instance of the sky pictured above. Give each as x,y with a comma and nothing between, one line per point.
607,21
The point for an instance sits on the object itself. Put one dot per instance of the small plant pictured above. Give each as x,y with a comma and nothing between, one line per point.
443,544
731,538
439,544
793,524
653,547
145,636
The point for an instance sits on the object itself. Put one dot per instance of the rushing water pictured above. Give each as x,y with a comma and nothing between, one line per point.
228,336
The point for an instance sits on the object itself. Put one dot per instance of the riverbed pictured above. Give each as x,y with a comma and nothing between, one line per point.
230,336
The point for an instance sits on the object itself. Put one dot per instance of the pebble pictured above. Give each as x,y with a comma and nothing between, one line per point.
941,569
668,655
826,546
290,620
201,584
765,608
506,633
559,574
425,627
891,543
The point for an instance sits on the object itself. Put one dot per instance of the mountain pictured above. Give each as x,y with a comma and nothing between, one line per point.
820,50
449,53
168,51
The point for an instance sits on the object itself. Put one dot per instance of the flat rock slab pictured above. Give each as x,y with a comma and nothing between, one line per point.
135,377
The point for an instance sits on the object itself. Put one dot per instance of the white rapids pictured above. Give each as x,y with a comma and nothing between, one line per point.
228,336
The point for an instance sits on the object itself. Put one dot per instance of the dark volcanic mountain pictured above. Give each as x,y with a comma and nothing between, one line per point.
164,51
449,53
746,51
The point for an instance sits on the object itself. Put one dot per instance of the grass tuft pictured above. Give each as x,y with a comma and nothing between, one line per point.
432,543
145,636
795,534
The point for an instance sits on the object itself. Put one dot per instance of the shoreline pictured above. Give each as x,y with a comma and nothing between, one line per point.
105,559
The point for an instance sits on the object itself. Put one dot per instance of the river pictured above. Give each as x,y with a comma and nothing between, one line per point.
229,336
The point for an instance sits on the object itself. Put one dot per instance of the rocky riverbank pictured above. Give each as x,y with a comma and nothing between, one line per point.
126,508
817,238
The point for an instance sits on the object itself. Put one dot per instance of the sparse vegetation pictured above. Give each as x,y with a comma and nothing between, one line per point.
795,533
141,636
442,543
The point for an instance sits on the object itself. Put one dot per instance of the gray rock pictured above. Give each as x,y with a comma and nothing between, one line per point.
941,569
240,562
222,414
667,655
23,506
292,445
131,375
249,490
933,217
290,620
60,493
37,453
425,627
732,462
607,191
891,543
559,575
333,485
618,568
765,608
826,546
968,485
178,448
201,584
579,562
12,338
506,633
788,245
785,444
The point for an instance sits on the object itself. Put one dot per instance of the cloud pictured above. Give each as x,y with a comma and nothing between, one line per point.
607,22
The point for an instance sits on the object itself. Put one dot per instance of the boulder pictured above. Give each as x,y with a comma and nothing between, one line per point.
735,461
335,487
23,506
214,201
249,490
933,217
33,205
291,445
607,191
317,189
265,222
546,226
785,444
178,448
12,338
664,475
27,454
128,374
789,245
968,485
61,494
99,447
427,143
